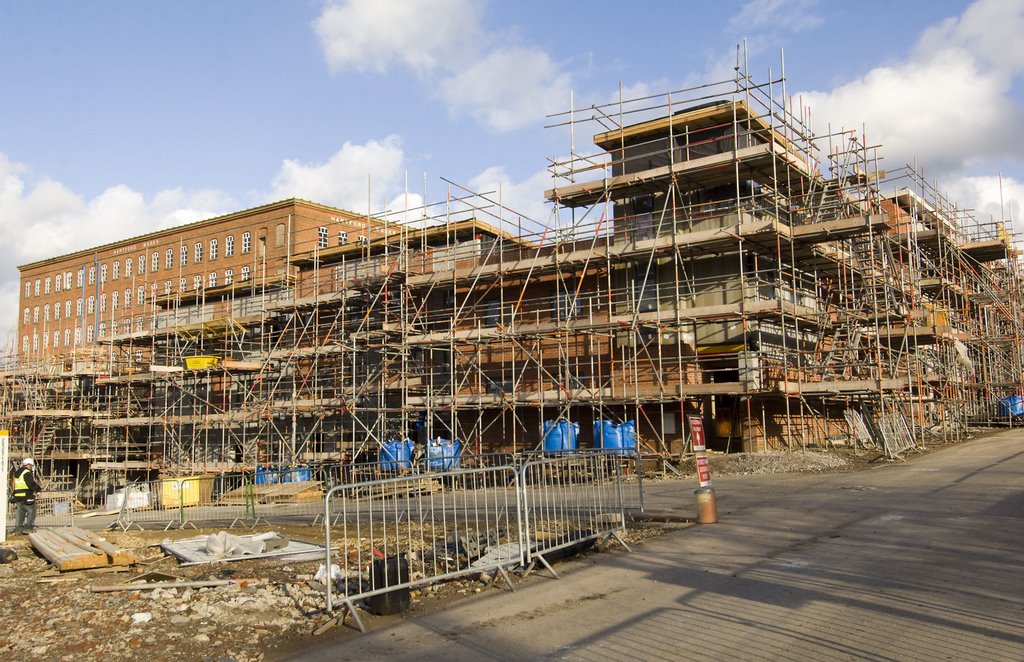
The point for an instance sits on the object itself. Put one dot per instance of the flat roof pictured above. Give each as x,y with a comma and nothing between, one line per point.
697,117
281,204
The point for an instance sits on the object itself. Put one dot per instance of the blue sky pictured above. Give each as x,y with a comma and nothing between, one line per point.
122,117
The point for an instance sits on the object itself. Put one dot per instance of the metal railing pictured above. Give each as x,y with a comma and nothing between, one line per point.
52,509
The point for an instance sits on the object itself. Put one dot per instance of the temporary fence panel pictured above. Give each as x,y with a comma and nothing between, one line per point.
177,502
148,502
570,500
401,532
52,509
630,472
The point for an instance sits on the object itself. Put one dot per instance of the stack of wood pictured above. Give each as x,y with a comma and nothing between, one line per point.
71,548
309,490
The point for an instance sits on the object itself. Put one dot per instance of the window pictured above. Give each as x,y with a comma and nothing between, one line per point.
213,249
89,334
113,327
78,307
142,264
35,315
245,273
35,342
167,287
342,237
37,287
246,246
141,298
363,240
46,340
67,337
81,277
279,234
128,298
113,300
103,302
67,310
199,251
28,313
154,261
169,258
78,335
91,306
115,273
46,313
67,281
197,282
321,237
138,327
229,276
46,286
28,291
56,339
103,273
182,284
103,329
56,311
184,256
212,282
127,267
58,283
92,275
24,343
229,245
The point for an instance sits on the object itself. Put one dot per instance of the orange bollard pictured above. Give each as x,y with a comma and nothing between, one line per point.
707,507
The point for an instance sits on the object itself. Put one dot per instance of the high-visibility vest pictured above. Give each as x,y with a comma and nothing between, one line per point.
20,484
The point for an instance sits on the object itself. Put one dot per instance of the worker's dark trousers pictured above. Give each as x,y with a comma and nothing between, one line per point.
25,514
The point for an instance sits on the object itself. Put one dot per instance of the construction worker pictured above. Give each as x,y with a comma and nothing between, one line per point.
23,495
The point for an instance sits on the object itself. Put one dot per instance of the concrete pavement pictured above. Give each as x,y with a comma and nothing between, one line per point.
914,561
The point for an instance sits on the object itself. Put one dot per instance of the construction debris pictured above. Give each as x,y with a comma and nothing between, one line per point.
72,548
223,546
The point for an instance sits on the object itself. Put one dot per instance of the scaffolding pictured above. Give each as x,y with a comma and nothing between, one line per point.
708,254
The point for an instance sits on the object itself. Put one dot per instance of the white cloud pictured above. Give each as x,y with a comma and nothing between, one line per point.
445,45
989,198
948,104
41,218
508,88
370,35
774,15
523,201
348,178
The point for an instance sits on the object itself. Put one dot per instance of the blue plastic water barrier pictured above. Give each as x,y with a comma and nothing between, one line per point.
267,476
1011,406
396,455
297,475
627,434
443,454
607,435
614,437
560,436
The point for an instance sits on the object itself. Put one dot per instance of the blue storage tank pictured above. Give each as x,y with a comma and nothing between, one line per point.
396,455
560,436
443,454
1011,406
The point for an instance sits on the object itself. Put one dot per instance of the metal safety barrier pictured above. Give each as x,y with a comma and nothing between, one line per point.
412,530
52,509
224,499
401,532
569,502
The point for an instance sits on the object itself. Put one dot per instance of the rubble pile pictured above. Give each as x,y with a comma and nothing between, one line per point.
744,464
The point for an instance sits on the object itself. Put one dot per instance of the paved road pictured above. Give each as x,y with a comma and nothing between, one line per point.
915,561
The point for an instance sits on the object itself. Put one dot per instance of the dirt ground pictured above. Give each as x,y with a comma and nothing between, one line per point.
271,605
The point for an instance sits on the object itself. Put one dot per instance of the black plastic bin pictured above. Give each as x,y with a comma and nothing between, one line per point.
391,571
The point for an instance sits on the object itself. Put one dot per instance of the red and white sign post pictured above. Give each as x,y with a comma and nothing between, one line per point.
707,509
5,444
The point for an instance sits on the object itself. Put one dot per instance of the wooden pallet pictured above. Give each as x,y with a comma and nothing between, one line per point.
71,548
276,493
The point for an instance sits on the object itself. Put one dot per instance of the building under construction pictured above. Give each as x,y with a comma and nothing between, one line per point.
705,254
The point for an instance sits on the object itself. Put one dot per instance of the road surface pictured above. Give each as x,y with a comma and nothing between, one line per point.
921,560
